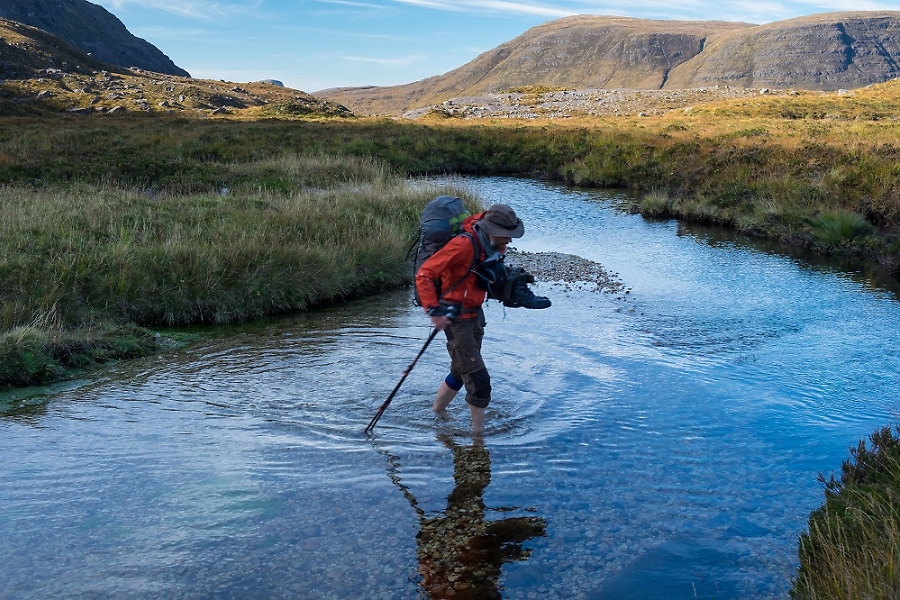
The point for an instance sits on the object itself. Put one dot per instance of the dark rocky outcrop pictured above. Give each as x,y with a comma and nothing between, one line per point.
93,30
27,52
820,52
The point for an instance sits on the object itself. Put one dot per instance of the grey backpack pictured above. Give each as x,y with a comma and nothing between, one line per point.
441,219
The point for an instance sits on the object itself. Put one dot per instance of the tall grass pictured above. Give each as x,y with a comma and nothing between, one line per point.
168,220
841,227
749,169
293,232
852,548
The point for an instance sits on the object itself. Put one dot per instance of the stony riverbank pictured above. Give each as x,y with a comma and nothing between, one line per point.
589,102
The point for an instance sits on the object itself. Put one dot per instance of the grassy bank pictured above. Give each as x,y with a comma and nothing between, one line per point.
86,264
820,171
110,222
852,547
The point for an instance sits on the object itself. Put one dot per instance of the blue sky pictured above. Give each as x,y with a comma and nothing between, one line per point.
316,44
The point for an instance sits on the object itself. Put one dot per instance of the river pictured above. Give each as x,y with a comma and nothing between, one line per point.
660,443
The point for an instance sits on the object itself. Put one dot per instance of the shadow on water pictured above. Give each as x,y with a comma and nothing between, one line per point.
678,568
868,273
28,405
460,550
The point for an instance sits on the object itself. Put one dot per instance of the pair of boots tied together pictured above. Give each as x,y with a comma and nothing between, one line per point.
510,286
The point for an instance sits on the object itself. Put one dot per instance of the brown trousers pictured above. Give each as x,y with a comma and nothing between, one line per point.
464,345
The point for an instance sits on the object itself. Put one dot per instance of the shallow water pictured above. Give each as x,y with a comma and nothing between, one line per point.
660,443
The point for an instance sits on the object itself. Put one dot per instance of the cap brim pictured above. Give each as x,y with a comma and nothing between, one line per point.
500,231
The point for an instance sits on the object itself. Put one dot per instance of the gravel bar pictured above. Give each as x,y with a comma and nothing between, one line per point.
569,269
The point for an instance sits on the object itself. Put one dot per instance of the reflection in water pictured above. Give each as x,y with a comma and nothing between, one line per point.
872,275
460,551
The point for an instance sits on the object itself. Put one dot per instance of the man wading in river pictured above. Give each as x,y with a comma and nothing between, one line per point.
452,290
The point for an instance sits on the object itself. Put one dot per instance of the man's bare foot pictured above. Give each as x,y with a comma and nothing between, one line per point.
443,415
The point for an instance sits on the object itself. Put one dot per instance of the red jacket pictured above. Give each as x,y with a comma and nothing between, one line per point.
450,267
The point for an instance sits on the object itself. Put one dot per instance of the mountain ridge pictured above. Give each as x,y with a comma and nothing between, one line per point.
93,30
601,52
41,74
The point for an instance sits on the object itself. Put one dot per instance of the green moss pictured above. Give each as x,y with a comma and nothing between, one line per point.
38,356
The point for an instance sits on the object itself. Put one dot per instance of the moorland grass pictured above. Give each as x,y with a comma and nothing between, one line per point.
84,264
763,175
157,220
852,547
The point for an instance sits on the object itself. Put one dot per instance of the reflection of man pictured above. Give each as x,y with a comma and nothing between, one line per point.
461,553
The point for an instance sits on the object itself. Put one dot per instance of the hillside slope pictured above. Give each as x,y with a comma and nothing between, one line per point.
820,52
42,75
25,51
579,52
93,30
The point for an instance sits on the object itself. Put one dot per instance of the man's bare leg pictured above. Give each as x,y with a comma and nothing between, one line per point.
445,394
477,419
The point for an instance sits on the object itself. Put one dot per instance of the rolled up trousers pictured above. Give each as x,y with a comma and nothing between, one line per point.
464,345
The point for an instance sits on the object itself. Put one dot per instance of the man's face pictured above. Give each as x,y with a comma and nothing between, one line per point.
499,243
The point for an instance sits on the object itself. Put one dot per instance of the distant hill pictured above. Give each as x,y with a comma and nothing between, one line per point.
820,52
42,75
93,30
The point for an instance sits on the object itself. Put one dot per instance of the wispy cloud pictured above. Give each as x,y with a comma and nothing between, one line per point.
195,9
687,9
493,6
365,35
171,33
768,11
845,5
650,9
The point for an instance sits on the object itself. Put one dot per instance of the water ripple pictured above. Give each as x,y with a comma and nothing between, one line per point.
668,439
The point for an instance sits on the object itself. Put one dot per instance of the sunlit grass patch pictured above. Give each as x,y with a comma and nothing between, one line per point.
84,258
657,204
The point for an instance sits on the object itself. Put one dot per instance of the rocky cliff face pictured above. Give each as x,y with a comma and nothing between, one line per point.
26,51
580,52
820,52
42,75
93,30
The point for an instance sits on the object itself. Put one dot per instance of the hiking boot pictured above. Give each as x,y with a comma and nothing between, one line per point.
521,295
